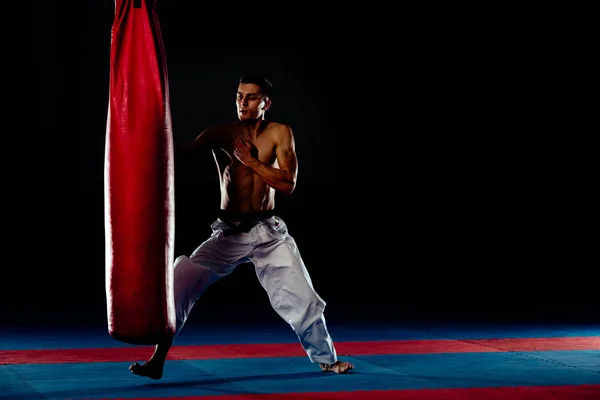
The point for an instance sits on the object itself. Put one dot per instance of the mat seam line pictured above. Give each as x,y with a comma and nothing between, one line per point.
225,380
547,360
402,372
24,381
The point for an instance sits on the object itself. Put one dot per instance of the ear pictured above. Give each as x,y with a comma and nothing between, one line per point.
267,104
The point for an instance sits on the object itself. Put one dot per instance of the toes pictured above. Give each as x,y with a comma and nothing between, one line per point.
138,369
340,367
345,368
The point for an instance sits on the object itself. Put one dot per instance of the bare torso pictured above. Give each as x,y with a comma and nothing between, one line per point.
242,191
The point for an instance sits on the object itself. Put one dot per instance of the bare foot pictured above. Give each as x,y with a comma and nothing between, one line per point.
150,369
339,367
153,368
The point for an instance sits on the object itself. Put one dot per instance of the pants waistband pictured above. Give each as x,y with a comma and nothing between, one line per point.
247,220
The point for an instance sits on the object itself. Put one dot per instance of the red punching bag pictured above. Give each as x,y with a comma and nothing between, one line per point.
139,181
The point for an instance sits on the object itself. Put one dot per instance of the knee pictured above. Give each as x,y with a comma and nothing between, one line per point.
182,265
184,268
179,260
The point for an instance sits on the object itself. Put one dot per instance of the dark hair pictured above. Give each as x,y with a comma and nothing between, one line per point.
265,85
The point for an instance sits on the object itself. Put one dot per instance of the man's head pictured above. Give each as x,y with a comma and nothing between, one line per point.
253,97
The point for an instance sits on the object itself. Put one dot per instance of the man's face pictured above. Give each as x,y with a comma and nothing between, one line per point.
250,103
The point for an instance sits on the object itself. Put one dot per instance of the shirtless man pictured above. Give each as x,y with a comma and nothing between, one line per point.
254,158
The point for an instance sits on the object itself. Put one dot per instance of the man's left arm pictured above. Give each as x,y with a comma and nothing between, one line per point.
283,178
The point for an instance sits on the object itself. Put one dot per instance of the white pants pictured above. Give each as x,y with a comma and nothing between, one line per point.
281,273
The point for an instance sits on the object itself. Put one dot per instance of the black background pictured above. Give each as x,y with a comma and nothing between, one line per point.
427,186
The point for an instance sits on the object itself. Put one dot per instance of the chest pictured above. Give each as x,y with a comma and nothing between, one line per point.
262,148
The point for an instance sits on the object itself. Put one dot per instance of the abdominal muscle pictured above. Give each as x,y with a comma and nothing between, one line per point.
242,191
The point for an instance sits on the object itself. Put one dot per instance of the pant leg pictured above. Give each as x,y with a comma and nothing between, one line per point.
282,273
214,259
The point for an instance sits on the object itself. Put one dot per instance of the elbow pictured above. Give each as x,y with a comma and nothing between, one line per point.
285,184
289,187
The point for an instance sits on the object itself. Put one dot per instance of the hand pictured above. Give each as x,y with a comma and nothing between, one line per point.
245,151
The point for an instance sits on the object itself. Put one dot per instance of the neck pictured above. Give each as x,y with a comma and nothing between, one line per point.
253,125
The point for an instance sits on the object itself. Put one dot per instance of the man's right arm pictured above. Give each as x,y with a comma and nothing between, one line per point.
204,141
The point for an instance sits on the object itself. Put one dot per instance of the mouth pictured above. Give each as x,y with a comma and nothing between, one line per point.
243,112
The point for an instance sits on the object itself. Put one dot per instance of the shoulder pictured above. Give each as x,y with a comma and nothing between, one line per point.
278,126
280,131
